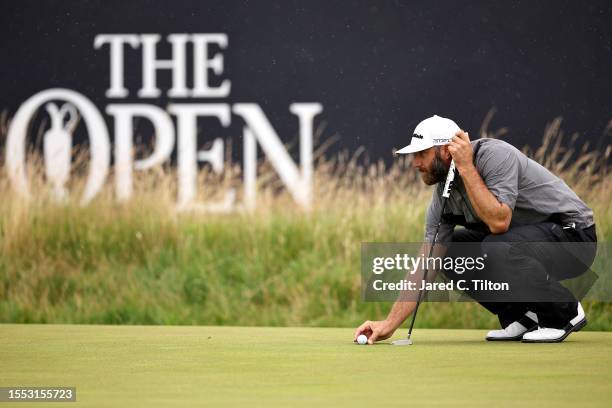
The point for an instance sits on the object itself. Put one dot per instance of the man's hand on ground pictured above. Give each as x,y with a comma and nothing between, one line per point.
375,330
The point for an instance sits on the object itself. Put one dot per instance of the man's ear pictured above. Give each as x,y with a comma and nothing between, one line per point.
445,154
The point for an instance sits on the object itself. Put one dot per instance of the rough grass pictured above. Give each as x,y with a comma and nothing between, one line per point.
141,262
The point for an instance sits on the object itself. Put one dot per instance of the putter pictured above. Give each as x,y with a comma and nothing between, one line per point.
445,194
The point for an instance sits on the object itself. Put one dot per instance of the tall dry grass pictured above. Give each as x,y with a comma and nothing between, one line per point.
143,262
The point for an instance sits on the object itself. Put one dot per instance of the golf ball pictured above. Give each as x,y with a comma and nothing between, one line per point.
362,339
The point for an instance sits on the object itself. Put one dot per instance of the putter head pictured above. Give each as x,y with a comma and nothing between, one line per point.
402,342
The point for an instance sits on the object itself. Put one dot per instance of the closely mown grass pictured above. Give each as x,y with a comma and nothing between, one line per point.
141,262
154,367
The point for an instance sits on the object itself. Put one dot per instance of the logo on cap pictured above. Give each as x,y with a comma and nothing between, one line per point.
417,136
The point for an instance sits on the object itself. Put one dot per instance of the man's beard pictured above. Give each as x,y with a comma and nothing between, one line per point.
437,173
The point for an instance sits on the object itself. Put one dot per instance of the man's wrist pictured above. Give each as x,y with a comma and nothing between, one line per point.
468,171
391,324
388,323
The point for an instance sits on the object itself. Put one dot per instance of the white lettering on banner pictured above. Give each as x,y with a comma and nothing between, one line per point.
96,129
64,119
124,134
298,182
187,145
150,65
201,64
116,41
177,64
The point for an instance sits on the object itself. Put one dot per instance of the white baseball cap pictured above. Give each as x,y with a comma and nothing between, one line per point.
434,131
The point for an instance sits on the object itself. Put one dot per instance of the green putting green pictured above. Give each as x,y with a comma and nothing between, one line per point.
149,366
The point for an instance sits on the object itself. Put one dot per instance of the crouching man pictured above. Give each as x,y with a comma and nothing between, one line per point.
521,214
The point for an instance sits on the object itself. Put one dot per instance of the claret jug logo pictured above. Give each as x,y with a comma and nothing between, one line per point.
66,107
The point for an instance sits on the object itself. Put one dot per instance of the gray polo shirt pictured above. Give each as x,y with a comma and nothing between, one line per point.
532,192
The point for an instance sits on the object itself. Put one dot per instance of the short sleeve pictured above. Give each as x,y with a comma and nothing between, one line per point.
434,213
499,169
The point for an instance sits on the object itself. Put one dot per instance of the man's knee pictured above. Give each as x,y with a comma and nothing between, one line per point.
515,241
467,235
496,246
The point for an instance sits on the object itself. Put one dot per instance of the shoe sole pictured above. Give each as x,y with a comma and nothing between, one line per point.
515,338
575,328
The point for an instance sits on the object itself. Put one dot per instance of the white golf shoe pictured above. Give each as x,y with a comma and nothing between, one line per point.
551,335
515,330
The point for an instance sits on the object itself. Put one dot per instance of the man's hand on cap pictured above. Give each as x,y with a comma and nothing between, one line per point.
460,149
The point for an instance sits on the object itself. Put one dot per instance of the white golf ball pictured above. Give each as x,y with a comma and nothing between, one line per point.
362,339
